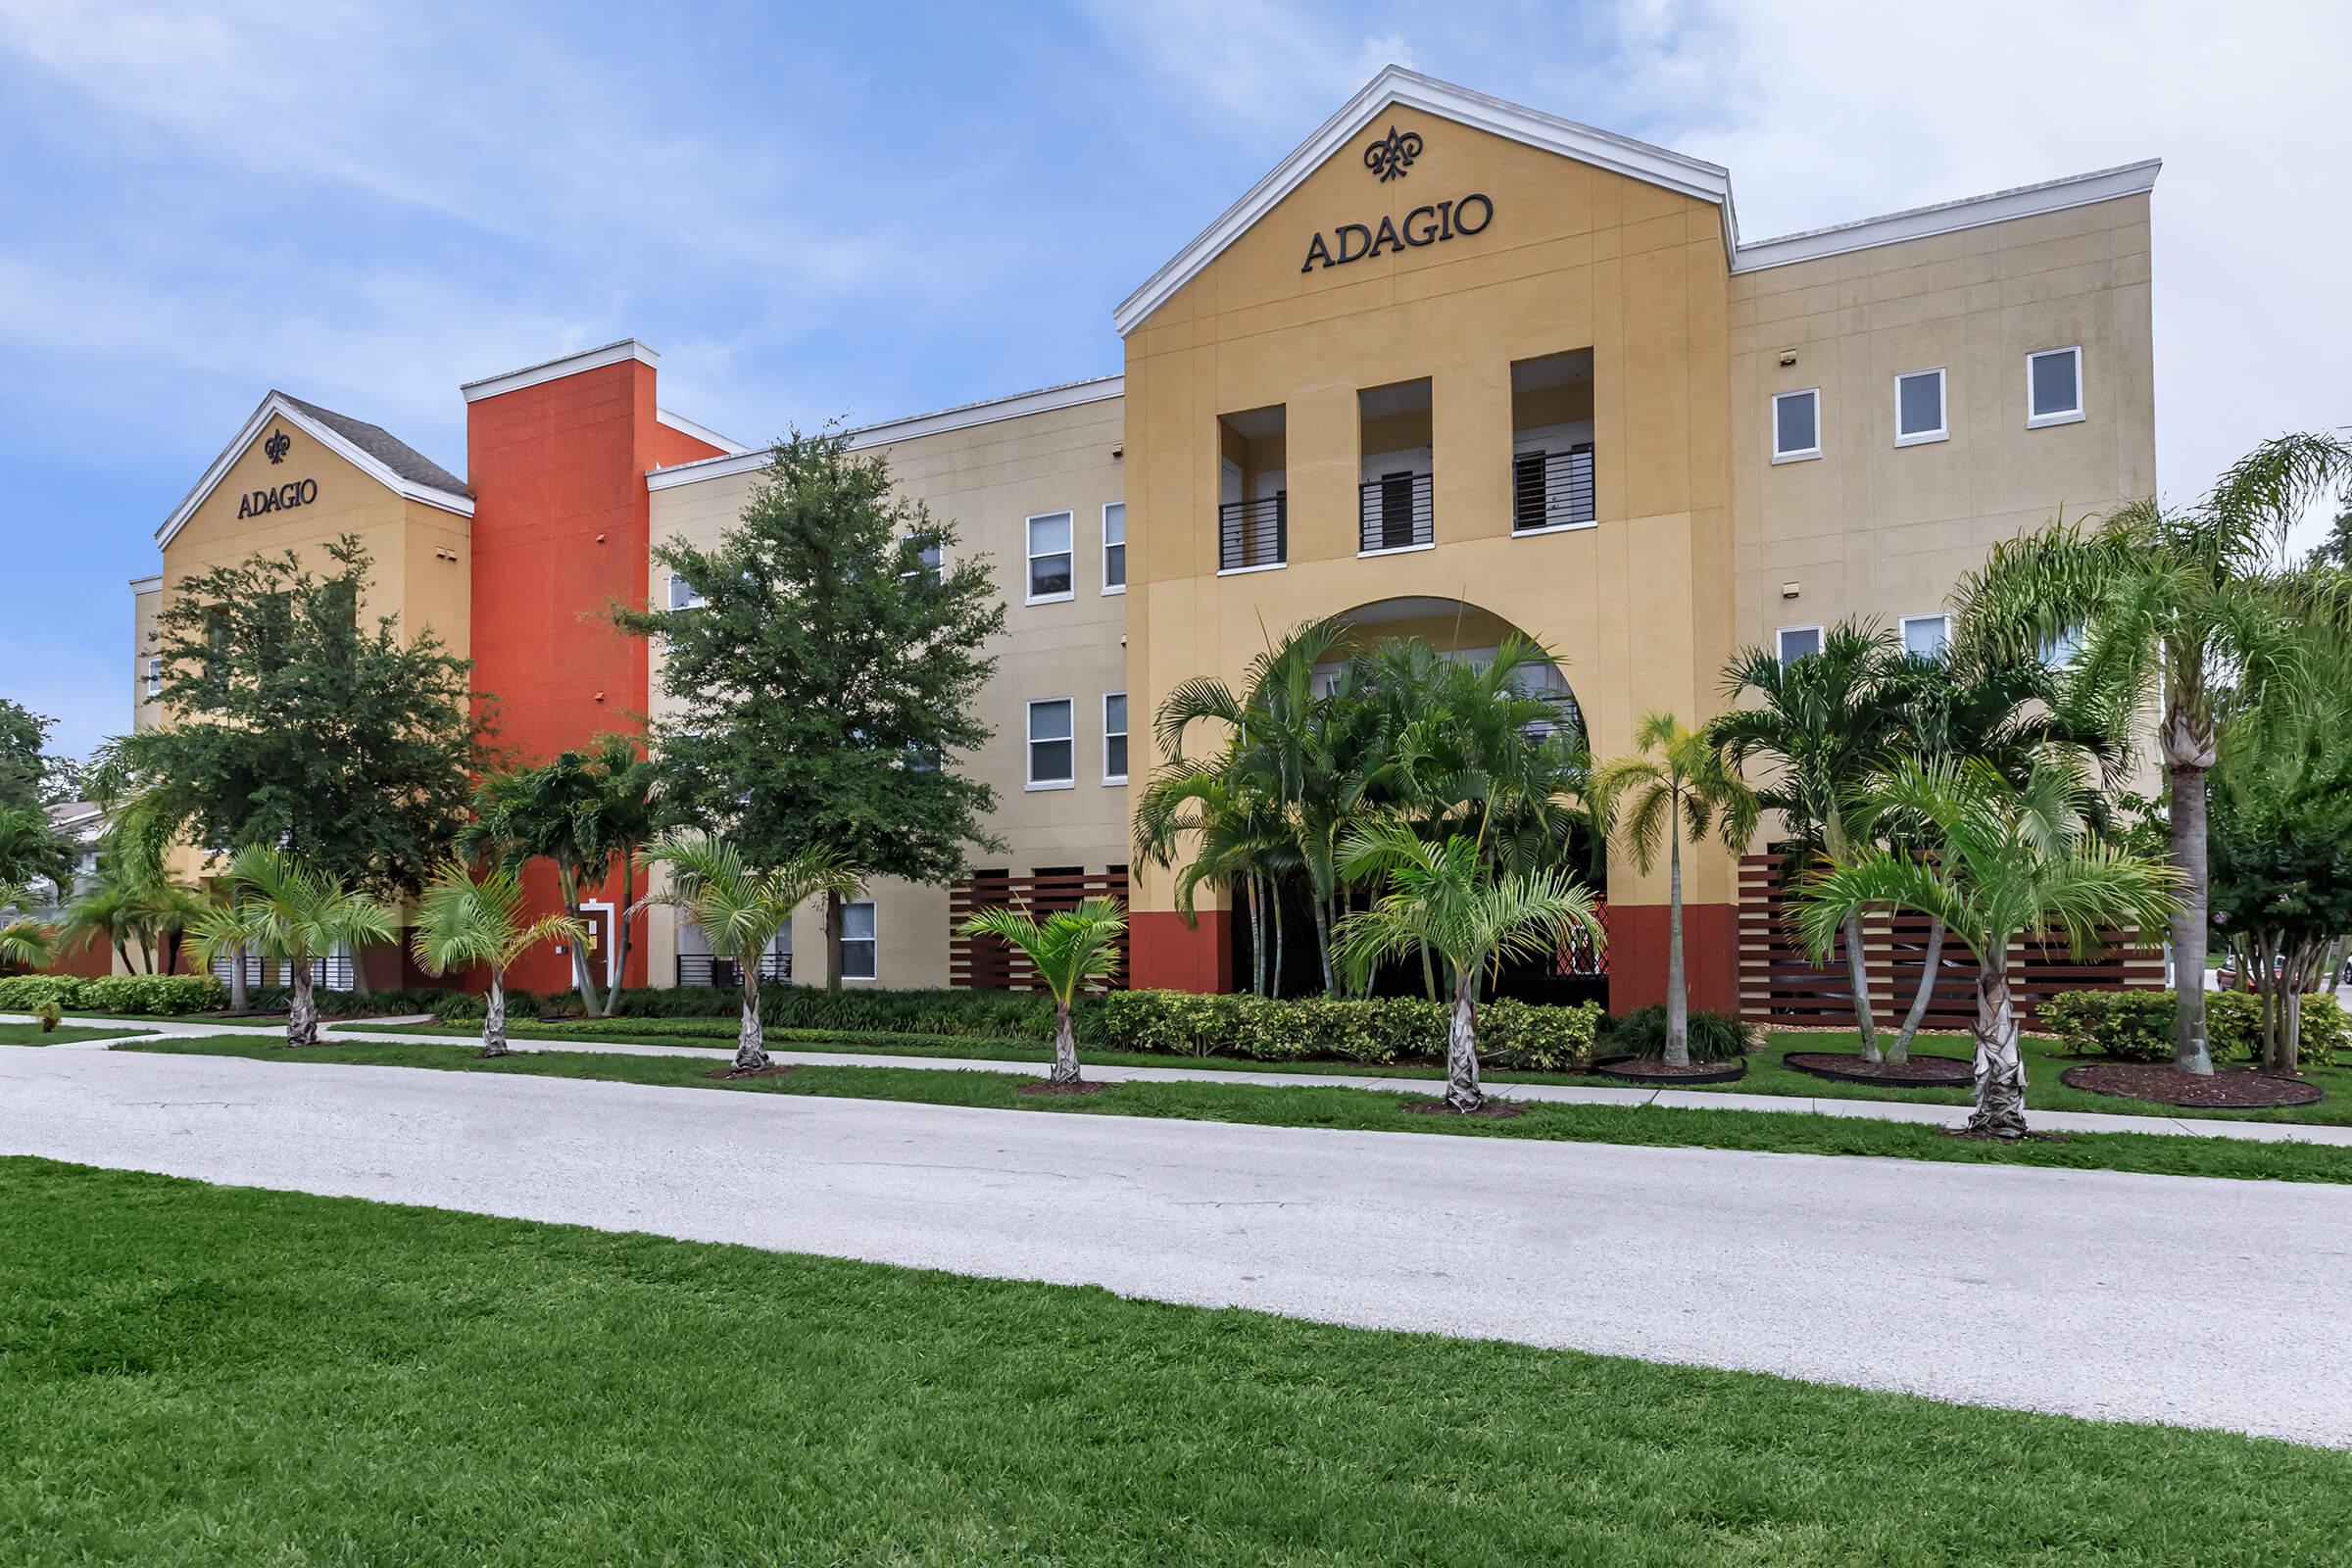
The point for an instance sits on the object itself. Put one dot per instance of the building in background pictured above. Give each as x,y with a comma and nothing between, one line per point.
1453,368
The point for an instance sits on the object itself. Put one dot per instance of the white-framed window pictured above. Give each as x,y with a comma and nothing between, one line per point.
1114,548
1115,736
860,941
155,677
1798,642
1796,425
934,562
1050,574
682,596
2054,386
1050,747
1924,636
1919,408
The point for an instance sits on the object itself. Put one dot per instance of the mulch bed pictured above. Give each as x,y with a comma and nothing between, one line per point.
1047,1085
1651,1070
2230,1090
775,1069
1920,1072
1493,1110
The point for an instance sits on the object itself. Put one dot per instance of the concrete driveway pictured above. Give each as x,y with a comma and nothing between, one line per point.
2141,1298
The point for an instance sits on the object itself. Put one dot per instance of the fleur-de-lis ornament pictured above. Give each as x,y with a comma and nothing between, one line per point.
1391,155
277,446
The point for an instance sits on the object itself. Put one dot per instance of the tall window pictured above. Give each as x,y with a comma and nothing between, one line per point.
860,958
681,596
1050,575
1796,425
1919,408
155,677
1114,738
2054,386
1799,642
1114,548
1050,746
1924,636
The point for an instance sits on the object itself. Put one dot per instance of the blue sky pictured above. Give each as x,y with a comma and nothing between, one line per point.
877,210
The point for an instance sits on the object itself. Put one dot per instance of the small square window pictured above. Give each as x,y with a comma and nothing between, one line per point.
1114,738
1051,751
931,561
1799,642
1114,548
2053,387
1050,575
1924,636
859,944
1919,408
682,596
1796,425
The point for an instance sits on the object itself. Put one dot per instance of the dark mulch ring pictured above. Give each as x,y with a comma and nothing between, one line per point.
1493,1110
1920,1072
1651,1070
1047,1085
1970,1136
775,1069
2229,1089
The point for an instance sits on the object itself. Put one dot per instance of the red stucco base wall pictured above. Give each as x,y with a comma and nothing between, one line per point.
1638,945
1163,953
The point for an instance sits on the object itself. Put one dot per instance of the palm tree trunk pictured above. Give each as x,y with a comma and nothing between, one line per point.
494,1014
1257,936
2191,1051
1274,975
620,932
1331,985
1857,970
236,981
1428,974
568,888
832,940
1066,1045
302,1014
1900,1050
2000,1067
1678,998
1463,1092
751,1040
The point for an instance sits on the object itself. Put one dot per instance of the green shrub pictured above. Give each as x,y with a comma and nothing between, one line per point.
2326,1030
23,992
1515,1036
1526,1037
468,1006
152,994
48,1015
954,1014
2125,1025
1714,1036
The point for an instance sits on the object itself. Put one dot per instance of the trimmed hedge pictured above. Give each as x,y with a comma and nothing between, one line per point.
23,993
354,1004
124,995
1714,1036
1512,1035
2138,1026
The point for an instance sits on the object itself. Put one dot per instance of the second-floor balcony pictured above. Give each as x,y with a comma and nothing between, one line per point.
1253,533
1393,512
1551,489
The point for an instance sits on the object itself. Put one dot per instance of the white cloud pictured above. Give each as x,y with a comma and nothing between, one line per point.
1250,68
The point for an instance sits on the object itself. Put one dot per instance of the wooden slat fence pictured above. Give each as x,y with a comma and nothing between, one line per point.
985,963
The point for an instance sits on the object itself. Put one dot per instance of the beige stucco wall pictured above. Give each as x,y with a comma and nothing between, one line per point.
990,479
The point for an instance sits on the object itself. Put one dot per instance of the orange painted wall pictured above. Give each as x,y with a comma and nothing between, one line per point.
1637,944
1163,953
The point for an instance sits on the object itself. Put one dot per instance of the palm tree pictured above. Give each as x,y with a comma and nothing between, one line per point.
2171,603
741,910
24,942
288,910
1239,842
462,920
1680,791
556,811
1070,948
139,910
1824,719
1449,898
2006,862
31,849
622,821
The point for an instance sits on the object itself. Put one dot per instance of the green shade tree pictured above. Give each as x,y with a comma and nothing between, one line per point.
1070,948
1675,785
296,913
462,920
827,681
741,908
2003,862
32,850
2174,604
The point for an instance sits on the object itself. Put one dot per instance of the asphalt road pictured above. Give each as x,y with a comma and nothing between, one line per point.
2143,1298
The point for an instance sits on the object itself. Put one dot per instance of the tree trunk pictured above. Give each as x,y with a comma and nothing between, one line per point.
494,1014
236,981
1463,1092
1331,986
1428,974
751,1040
1066,1045
2191,1050
621,933
1857,969
358,975
568,887
1257,936
302,1013
1274,975
1678,997
1900,1050
833,941
2000,1067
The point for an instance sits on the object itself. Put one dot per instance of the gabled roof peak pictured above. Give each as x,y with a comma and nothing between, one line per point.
369,448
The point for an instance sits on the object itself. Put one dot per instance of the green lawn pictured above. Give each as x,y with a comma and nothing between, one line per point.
1361,1110
223,1376
30,1033
1766,1075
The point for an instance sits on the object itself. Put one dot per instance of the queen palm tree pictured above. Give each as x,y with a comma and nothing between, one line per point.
2006,862
740,909
1069,949
2171,604
1238,841
24,942
1448,897
1680,791
139,909
288,910
462,920
553,811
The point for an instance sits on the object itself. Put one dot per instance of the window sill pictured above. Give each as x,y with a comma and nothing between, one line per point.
2035,421
1113,780
1049,599
1554,527
1243,571
1050,784
1121,589
1813,455
1395,549
1922,438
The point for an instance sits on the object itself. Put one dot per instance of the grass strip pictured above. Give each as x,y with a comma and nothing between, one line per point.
30,1033
1355,1109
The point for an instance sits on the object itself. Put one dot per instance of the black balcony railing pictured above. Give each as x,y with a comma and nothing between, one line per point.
701,969
1255,533
1551,489
1396,513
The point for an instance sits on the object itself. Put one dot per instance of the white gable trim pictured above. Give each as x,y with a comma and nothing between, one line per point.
628,348
275,407
701,432
1398,88
1945,217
